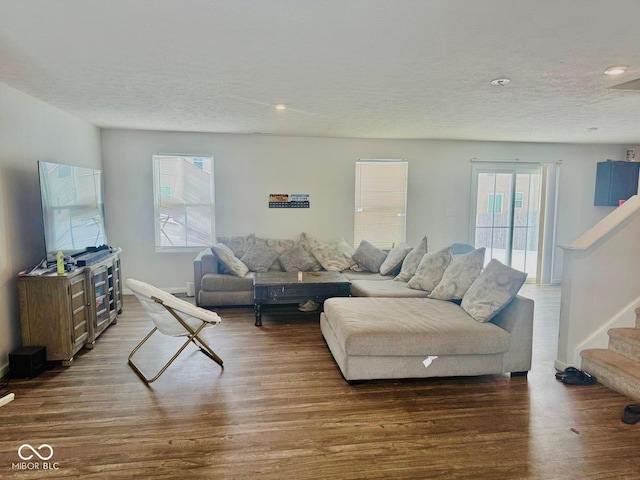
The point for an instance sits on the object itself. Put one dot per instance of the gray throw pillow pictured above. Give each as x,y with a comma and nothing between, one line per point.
393,262
492,291
226,256
369,256
297,260
430,270
258,258
459,275
411,261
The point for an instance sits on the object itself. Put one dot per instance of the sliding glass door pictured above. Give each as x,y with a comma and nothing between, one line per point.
508,215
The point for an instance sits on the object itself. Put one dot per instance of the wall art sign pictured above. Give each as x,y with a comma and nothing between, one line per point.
285,200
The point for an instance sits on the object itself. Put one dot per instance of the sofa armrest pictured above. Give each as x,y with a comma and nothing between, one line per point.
517,319
205,262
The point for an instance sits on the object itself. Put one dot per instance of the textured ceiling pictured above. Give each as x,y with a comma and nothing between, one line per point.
415,69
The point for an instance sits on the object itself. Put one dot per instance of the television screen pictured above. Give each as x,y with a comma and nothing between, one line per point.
72,208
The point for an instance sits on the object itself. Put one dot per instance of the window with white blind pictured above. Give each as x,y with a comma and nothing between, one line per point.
381,202
184,201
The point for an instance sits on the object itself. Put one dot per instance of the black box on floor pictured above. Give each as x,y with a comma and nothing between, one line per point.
27,362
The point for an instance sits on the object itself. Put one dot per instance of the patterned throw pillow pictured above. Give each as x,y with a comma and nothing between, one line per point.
308,243
430,270
492,291
459,275
238,244
226,256
279,245
393,262
259,258
369,256
297,260
411,261
335,255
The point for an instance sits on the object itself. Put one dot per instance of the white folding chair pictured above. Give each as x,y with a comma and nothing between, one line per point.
174,317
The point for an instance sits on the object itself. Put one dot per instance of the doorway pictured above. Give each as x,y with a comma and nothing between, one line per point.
509,215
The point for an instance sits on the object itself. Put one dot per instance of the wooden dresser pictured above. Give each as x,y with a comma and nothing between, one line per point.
67,312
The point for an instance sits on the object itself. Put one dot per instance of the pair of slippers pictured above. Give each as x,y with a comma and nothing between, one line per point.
631,414
575,376
308,306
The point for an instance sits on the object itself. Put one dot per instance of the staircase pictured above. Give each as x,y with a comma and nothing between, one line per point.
617,367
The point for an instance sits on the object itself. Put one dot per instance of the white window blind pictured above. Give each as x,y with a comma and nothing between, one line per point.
184,201
381,202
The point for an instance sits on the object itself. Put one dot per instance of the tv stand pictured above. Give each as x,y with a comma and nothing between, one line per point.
69,311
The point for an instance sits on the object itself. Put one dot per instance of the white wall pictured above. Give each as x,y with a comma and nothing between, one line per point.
30,131
250,167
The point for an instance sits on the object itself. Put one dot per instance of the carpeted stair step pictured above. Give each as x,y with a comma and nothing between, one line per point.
625,341
616,371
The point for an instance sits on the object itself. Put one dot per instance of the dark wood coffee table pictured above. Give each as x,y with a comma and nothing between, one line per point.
279,288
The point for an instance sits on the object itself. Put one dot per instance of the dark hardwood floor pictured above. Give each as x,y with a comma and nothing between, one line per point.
281,410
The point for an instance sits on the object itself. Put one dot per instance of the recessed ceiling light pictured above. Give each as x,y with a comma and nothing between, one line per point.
500,81
280,106
616,70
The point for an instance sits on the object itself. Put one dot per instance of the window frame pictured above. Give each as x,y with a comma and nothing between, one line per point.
518,199
358,208
491,203
158,191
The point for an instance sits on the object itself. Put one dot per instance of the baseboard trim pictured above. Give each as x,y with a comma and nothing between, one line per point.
560,366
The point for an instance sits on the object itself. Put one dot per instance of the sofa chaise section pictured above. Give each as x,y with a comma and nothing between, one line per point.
384,288
381,338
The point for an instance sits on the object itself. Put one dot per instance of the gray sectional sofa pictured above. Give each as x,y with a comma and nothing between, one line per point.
214,288
388,330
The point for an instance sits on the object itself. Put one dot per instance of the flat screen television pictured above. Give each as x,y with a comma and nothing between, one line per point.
72,209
